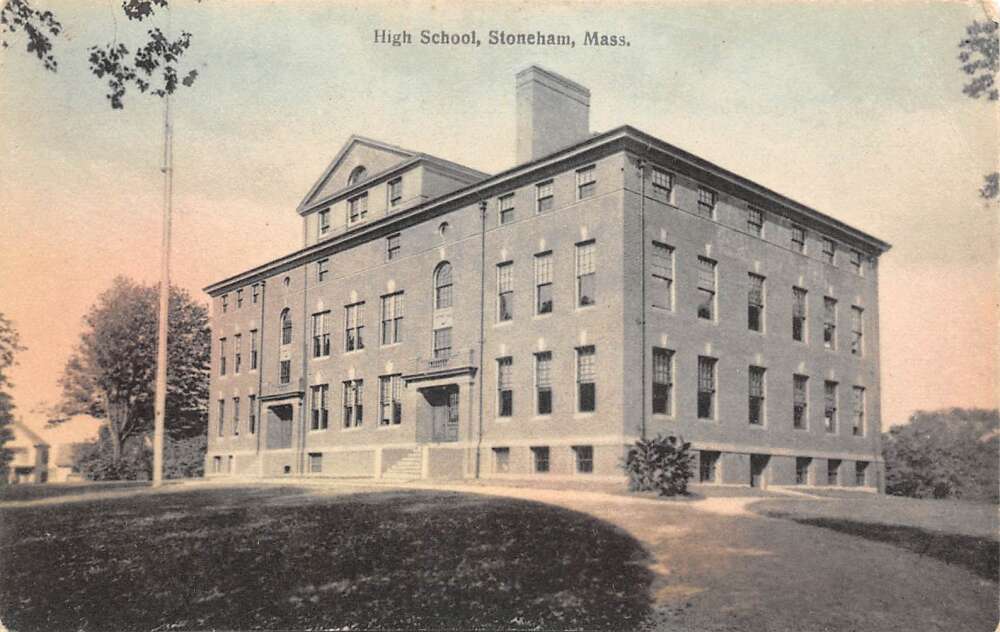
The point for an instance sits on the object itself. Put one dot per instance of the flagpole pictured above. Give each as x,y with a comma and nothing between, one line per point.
161,340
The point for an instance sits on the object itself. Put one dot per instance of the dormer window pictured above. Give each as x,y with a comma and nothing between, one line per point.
359,174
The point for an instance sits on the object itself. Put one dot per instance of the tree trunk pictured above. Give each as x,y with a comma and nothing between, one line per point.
117,420
116,446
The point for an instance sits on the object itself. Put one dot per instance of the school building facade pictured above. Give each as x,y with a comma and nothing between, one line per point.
443,322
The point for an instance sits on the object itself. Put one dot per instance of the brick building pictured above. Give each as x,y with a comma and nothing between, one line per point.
443,322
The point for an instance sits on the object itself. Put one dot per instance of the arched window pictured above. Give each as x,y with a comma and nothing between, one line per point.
442,286
357,175
286,327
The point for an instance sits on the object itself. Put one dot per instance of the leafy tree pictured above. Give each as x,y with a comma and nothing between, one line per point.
949,453
152,67
111,375
981,61
662,464
10,344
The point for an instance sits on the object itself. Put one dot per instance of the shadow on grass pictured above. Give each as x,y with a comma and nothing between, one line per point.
52,490
979,555
285,558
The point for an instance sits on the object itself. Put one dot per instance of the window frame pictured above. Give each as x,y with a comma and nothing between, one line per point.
830,405
586,272
663,273
584,459
586,379
353,404
756,302
544,268
712,294
712,382
800,321
505,387
323,221
357,209
586,182
800,407
544,196
665,191
321,347
253,349
236,416
443,288
757,396
541,459
439,336
322,270
391,322
319,406
354,327
830,323
223,350
237,353
543,387
393,247
798,239
755,220
394,198
829,251
390,400
858,414
667,360
505,292
506,211
708,200
857,330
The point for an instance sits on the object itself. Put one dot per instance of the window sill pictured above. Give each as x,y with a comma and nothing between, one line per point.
542,417
354,352
312,430
352,429
542,316
503,420
389,345
583,308
322,357
503,323
381,427
584,415
663,416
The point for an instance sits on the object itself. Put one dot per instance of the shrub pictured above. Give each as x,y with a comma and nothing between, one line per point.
662,464
182,458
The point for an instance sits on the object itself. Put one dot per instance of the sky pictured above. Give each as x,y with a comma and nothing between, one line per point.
854,108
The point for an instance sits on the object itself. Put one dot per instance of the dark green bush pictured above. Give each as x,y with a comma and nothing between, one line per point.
182,458
661,464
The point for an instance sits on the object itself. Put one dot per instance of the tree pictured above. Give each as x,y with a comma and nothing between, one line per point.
944,454
980,57
661,464
10,344
111,374
152,67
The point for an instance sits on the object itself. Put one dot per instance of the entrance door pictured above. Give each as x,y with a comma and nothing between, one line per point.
758,466
444,415
279,427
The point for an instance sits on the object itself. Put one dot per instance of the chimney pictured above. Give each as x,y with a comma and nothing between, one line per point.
553,112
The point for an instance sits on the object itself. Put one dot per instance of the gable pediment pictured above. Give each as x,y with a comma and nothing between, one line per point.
375,157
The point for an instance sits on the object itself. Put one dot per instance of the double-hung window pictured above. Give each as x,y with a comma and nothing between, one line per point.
442,343
755,303
586,379
320,407
543,283
586,274
540,456
663,381
663,184
236,416
505,387
662,270
755,221
543,196
321,334
322,270
543,383
706,387
858,428
800,401
860,473
239,298
506,208
225,303
354,327
799,239
706,288
756,399
390,400
830,406
357,209
324,221
505,291
706,202
857,330
395,192
392,247
829,322
856,262
255,293
584,458
284,371
222,417
802,464
829,251
354,391
253,349
799,314
252,414
392,318
586,182
222,356
237,353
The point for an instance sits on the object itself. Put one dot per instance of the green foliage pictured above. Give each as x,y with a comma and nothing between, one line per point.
111,374
979,53
9,346
662,464
182,458
945,454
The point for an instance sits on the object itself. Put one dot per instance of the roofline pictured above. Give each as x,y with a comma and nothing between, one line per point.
619,134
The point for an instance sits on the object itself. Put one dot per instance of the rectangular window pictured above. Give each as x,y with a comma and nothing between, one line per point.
856,262
755,221
540,457
253,349
392,318
392,247
395,192
357,208
800,402
706,387
501,460
252,414
708,463
799,239
315,462
857,330
755,303
222,356
833,472
662,269
829,251
586,267
543,196
442,343
802,465
505,387
860,473
505,291
225,303
584,459
663,184
706,202
324,221
322,270
320,407
321,334
390,399
222,417
284,371
585,182
255,293
543,383
799,314
543,283
237,353
239,298
756,400
506,208
354,391
586,379
663,381
354,327
829,322
706,288
229,464
858,428
236,416
830,406
217,464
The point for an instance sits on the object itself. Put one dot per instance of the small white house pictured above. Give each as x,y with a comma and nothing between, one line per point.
30,462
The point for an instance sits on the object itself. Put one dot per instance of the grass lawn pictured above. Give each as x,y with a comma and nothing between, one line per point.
29,491
286,558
